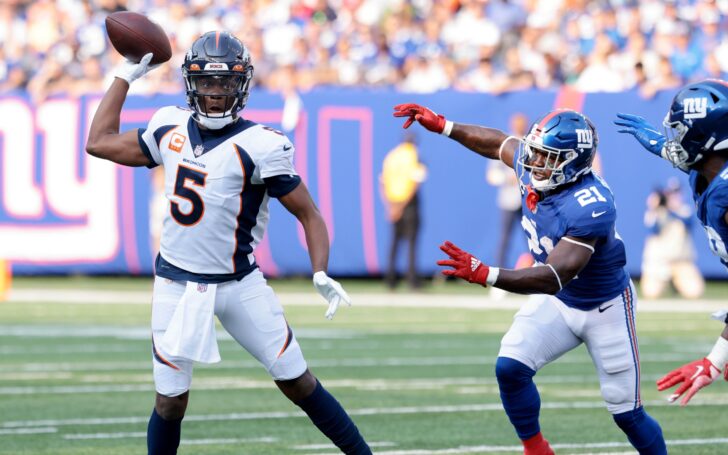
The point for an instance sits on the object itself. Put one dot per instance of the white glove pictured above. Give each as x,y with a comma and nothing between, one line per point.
331,290
130,71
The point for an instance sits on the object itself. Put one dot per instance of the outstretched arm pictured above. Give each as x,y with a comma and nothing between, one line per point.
104,140
647,135
300,204
698,374
562,265
488,142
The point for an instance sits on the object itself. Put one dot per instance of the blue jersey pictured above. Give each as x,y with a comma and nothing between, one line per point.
712,203
584,209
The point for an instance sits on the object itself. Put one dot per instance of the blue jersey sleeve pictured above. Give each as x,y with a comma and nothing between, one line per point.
590,213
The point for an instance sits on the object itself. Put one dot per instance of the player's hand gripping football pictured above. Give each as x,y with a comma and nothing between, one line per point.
646,134
332,291
464,265
691,377
426,118
130,71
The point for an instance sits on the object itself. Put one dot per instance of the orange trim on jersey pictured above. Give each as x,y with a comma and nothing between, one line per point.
237,218
180,196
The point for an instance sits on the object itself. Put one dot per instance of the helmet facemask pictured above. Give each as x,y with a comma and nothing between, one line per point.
673,149
554,162
217,98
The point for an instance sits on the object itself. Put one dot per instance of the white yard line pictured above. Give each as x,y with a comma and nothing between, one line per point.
143,434
333,447
210,441
219,384
49,367
21,431
123,435
404,410
359,299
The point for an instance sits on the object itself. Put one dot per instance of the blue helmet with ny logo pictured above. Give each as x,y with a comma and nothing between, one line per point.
558,149
696,123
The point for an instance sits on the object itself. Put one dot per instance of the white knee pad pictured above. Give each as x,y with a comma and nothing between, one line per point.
616,397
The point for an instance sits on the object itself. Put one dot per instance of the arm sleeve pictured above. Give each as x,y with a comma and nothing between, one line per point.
150,137
278,161
592,221
278,172
280,185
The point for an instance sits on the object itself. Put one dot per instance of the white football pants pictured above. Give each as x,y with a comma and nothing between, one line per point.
544,329
248,310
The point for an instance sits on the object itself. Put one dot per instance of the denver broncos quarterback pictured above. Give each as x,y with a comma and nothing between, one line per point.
220,171
581,291
696,142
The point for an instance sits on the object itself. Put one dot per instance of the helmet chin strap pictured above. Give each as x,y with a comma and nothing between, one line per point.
541,184
214,123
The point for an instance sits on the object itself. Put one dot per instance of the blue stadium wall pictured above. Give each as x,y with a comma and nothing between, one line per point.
47,226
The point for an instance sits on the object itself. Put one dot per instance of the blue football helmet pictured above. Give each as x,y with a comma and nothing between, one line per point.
569,142
696,122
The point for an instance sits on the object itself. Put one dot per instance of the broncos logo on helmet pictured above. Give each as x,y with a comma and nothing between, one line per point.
566,140
217,71
695,124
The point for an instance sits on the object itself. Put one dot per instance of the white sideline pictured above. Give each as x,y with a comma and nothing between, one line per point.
410,300
402,410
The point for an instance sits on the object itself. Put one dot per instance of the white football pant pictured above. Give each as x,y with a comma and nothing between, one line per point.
248,310
544,329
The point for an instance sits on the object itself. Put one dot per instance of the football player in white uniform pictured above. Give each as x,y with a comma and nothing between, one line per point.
220,170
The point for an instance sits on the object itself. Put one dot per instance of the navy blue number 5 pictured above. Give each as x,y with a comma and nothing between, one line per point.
181,189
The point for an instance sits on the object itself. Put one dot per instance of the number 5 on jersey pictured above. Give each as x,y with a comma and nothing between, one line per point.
181,189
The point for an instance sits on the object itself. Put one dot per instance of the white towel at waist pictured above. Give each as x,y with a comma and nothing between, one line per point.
191,332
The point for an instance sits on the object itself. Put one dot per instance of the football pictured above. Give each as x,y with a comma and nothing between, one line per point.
133,35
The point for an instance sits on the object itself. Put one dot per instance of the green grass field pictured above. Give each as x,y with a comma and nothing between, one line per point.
75,378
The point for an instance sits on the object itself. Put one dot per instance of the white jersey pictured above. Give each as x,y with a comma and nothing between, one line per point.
218,184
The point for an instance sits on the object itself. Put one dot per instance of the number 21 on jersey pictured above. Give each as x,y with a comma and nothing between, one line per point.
586,196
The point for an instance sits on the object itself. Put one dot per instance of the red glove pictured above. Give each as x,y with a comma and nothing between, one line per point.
465,265
693,376
427,118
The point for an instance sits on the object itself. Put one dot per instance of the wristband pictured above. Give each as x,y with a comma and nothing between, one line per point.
447,129
719,355
492,276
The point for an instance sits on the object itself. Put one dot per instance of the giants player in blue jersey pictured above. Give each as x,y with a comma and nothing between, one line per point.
581,291
220,171
696,143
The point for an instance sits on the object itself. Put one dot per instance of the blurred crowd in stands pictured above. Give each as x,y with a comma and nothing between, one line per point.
50,47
